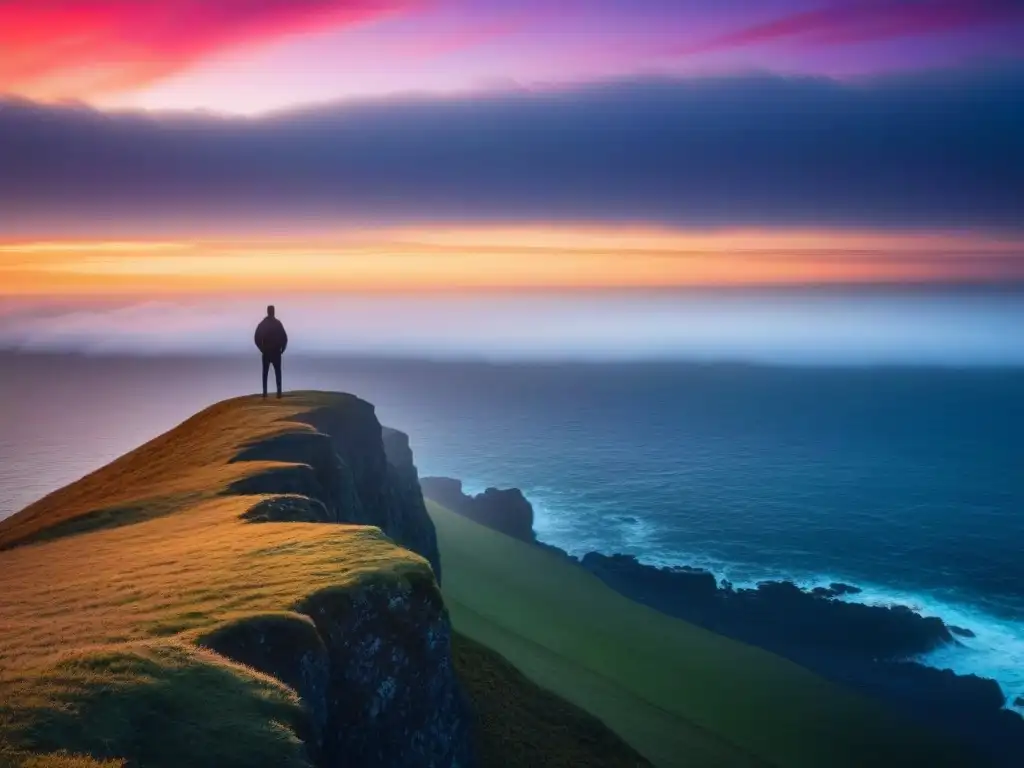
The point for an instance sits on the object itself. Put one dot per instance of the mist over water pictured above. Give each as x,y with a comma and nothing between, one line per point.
833,326
880,447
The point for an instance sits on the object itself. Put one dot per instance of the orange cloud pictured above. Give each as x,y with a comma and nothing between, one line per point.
84,48
506,258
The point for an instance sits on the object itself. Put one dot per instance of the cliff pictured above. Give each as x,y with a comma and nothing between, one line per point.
256,587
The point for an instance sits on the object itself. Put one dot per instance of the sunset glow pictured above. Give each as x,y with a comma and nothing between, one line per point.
251,56
432,259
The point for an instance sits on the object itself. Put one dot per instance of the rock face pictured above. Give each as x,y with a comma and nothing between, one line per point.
506,510
371,662
357,470
392,678
373,667
417,528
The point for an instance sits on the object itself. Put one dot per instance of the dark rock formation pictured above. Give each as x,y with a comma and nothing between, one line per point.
777,614
507,511
373,667
961,631
1019,701
372,661
359,471
418,533
835,589
392,682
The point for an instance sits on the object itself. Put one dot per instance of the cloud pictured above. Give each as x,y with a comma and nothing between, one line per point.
865,21
935,150
54,47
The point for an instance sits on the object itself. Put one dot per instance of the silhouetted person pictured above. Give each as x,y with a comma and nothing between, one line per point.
272,341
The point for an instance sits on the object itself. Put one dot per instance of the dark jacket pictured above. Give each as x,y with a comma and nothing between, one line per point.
271,338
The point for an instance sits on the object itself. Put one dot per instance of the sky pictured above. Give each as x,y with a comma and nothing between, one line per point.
375,145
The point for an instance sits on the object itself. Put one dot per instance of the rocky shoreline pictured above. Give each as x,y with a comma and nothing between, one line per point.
869,648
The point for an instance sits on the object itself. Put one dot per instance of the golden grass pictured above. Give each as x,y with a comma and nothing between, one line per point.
161,703
132,589
186,465
194,566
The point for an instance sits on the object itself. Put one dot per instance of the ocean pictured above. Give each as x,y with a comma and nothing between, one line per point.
906,480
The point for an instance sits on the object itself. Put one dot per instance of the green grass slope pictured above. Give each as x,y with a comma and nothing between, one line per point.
678,694
108,585
521,725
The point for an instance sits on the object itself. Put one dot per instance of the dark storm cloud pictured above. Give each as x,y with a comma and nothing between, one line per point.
935,150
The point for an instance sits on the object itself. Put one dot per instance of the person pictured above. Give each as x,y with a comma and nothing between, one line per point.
271,340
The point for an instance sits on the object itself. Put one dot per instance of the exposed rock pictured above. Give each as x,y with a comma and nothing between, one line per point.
373,667
507,510
662,586
372,662
838,588
418,533
392,683
357,470
961,631
777,614
291,508
1019,701
835,589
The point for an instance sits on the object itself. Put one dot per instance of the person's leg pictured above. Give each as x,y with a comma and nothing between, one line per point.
266,370
277,373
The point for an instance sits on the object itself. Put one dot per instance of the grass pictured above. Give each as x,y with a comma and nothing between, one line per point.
678,694
521,725
109,586
191,463
110,703
105,586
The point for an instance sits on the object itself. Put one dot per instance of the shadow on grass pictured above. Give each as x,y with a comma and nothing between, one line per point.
155,706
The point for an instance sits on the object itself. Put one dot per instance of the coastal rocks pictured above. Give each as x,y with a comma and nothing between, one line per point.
507,510
776,615
835,589
961,631
660,585
1019,701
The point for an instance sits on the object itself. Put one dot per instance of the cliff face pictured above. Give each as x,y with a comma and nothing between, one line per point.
417,529
377,671
226,533
359,471
373,668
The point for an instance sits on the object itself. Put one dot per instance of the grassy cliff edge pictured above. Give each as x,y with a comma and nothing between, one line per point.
186,605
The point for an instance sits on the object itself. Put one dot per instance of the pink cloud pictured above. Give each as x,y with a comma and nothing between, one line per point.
83,47
865,21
